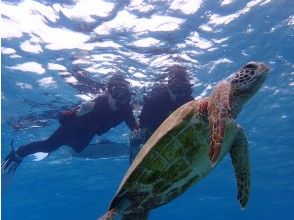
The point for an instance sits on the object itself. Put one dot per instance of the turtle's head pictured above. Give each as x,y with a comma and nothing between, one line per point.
246,82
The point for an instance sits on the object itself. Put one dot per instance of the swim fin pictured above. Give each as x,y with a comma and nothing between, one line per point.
11,162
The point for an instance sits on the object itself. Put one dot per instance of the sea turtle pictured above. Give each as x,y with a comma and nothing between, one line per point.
188,145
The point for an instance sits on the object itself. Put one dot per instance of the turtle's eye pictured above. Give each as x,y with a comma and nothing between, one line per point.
250,66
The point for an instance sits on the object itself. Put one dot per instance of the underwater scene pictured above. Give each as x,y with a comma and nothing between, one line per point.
60,163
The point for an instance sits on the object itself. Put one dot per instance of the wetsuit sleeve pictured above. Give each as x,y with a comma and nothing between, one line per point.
130,119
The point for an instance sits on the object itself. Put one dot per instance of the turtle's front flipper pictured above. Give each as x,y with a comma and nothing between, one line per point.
219,113
240,160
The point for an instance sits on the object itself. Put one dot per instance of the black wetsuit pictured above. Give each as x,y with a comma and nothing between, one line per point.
157,107
79,131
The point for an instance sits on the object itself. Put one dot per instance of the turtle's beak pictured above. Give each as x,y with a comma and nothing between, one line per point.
262,68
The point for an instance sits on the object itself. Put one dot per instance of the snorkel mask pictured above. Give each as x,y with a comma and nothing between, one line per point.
121,94
119,89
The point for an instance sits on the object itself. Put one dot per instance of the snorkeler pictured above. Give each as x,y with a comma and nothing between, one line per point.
79,125
159,104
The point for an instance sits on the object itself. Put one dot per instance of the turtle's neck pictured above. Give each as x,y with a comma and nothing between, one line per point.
237,101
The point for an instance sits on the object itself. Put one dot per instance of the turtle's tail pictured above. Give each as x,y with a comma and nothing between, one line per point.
110,215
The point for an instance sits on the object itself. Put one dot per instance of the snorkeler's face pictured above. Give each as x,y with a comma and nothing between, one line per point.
121,94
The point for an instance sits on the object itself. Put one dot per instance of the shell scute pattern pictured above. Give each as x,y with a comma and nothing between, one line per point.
156,162
174,172
197,140
171,150
174,150
163,155
150,176
160,185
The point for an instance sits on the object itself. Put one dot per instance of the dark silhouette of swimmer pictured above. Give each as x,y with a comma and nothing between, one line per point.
79,125
159,104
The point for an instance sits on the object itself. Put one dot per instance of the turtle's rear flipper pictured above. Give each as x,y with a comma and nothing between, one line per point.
136,216
240,160
8,167
10,163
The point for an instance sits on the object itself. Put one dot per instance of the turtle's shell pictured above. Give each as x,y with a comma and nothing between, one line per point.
175,157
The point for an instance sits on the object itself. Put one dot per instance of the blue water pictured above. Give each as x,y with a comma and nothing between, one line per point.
45,44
